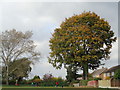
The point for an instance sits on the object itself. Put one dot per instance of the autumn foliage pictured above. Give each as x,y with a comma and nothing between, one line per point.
82,40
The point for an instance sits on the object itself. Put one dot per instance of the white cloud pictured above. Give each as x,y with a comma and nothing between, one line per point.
59,1
43,47
113,61
43,67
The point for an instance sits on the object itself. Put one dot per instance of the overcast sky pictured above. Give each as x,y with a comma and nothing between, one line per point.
43,18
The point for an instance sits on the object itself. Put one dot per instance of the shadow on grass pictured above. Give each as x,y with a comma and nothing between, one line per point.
53,88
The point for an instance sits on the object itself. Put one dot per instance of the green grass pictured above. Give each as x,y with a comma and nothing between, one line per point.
13,87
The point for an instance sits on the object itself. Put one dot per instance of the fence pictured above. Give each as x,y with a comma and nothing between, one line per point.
109,83
92,83
104,83
115,83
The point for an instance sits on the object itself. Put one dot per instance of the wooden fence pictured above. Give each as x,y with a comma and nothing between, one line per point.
115,83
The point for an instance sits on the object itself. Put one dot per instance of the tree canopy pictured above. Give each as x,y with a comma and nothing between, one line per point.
18,69
84,40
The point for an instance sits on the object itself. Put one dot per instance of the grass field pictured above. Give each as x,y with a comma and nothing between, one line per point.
50,88
28,86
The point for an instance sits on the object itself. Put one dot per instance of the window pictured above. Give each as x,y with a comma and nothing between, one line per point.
105,74
108,74
112,73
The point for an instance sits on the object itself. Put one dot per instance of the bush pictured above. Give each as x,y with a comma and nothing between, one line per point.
97,79
52,83
75,81
48,80
107,78
117,74
23,82
3,82
36,80
12,82
84,82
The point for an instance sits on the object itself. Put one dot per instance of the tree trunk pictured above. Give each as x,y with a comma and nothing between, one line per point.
85,64
7,75
85,71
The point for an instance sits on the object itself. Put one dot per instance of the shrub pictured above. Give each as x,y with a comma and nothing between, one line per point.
75,81
117,74
3,82
83,82
52,82
12,82
107,78
36,80
97,79
23,82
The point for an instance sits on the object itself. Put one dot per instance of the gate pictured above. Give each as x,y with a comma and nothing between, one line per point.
115,83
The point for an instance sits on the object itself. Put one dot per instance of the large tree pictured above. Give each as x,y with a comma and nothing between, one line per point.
15,45
84,40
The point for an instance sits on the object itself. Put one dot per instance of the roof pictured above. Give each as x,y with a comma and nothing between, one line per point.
112,69
99,71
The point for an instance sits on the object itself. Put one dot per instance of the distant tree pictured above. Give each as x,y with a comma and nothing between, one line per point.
36,79
117,74
15,45
47,76
84,39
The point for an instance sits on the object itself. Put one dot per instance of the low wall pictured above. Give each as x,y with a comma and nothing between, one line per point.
93,83
104,83
76,84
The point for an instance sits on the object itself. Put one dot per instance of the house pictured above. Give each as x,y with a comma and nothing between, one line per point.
110,72
99,73
109,80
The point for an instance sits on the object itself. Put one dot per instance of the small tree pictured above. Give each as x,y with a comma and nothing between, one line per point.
117,74
36,79
47,77
18,69
71,73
